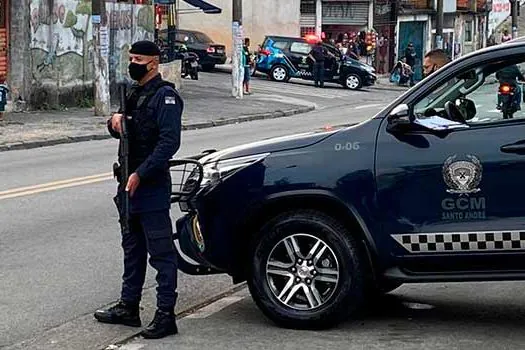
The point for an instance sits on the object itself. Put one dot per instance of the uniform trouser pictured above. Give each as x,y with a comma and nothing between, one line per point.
150,233
319,73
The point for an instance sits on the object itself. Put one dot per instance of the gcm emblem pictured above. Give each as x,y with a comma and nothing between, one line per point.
349,146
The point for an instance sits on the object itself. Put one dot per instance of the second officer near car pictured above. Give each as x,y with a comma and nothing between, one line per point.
155,109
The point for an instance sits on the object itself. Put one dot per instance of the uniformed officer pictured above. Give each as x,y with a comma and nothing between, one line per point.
155,108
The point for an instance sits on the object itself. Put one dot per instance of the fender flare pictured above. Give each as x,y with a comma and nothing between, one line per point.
327,195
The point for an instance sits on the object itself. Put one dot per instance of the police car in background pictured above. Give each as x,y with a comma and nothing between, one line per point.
430,189
283,58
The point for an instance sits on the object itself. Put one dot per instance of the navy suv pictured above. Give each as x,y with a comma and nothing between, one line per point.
431,189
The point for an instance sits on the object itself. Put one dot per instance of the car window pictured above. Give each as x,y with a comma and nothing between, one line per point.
203,38
333,50
476,94
280,44
180,37
300,47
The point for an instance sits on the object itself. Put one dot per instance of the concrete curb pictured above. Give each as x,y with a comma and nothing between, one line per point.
191,126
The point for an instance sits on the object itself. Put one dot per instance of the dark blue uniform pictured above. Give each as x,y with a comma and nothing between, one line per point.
318,52
154,137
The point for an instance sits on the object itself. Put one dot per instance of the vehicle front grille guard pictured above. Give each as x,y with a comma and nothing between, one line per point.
186,178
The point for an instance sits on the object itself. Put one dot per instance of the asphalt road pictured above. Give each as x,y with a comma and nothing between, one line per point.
60,256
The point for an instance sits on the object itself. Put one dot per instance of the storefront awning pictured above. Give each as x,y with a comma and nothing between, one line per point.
204,6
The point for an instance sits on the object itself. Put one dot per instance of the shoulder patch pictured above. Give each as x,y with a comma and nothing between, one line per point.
170,100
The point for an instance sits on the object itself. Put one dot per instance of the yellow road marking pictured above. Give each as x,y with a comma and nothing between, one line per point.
56,185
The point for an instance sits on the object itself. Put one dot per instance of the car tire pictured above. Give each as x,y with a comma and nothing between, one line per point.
332,299
353,81
208,67
279,73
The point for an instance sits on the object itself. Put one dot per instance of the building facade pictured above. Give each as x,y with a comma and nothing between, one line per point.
465,27
331,19
260,18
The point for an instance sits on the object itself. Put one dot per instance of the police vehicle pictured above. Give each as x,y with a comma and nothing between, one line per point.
283,58
431,189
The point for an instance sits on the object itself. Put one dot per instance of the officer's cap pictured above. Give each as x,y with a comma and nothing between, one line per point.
145,47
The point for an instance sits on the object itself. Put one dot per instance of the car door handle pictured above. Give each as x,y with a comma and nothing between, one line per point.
518,148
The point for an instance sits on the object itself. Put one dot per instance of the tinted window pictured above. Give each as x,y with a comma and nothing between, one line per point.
203,38
180,36
300,47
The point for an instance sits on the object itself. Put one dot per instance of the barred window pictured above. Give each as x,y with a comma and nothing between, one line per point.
307,31
308,7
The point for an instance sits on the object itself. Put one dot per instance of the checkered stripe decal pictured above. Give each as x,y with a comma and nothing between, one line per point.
462,241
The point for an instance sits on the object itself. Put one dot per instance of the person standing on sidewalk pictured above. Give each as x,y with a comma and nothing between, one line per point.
247,64
155,109
317,55
3,96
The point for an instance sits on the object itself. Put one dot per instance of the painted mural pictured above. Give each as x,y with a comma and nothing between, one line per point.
62,41
127,24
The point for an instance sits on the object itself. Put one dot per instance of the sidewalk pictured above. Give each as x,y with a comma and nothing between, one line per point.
205,106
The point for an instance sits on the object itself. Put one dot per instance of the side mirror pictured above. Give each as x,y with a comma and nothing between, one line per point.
467,107
399,117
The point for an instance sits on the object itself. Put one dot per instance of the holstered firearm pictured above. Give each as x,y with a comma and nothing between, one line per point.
121,171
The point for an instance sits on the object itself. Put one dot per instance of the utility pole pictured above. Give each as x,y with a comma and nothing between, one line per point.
101,53
514,14
237,67
438,44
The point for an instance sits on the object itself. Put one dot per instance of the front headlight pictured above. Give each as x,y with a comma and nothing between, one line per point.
215,171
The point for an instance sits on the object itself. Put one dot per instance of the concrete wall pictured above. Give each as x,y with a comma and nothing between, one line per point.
127,24
19,76
61,48
260,18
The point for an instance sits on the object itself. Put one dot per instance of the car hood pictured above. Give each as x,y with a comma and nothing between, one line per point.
271,145
348,61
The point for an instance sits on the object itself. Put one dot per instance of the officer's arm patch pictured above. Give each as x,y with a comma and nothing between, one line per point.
170,100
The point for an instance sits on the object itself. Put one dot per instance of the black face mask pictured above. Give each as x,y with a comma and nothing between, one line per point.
432,71
138,71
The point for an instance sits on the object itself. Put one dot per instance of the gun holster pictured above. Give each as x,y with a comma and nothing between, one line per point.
117,172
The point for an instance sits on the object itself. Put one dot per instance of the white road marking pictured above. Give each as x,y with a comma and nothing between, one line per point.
215,307
132,346
369,106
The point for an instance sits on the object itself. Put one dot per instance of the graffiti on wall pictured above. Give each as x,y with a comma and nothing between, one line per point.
61,40
127,24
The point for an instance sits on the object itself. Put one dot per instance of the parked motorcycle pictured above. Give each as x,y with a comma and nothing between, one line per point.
190,63
507,102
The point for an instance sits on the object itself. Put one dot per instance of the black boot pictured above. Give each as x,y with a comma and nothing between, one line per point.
163,324
121,313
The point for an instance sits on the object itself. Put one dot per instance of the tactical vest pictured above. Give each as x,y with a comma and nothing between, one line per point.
143,129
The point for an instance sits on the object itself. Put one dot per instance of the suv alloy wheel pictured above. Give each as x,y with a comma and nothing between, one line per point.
307,271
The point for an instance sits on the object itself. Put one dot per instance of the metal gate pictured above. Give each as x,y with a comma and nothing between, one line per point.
345,12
